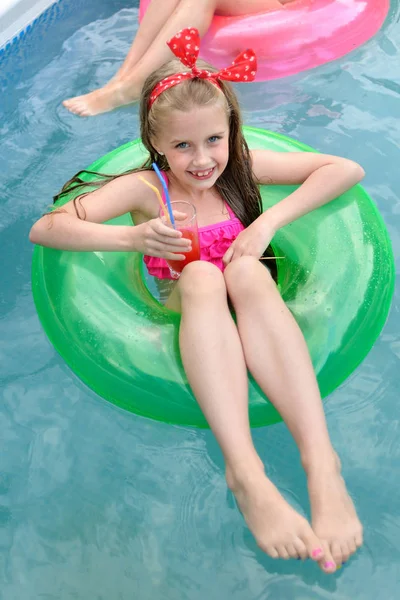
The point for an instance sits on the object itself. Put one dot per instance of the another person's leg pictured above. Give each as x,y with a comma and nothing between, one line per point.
149,50
235,8
127,89
277,356
157,14
213,359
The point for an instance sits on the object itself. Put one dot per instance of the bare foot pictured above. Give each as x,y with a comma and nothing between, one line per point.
116,93
334,518
278,529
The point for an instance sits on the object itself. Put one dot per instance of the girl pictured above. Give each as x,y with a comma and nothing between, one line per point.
191,126
149,52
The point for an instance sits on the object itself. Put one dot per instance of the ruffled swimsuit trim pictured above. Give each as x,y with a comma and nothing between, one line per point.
214,241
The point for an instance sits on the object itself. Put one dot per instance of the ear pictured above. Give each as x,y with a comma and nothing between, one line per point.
154,144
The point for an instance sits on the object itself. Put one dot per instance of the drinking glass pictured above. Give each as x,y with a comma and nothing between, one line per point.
187,224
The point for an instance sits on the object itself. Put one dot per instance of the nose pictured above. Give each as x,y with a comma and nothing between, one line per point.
201,158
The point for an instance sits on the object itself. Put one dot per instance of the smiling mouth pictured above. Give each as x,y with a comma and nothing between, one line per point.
202,174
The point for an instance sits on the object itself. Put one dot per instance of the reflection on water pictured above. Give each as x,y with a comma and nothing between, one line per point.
96,502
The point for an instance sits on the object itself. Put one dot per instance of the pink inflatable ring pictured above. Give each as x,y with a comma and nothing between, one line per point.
301,35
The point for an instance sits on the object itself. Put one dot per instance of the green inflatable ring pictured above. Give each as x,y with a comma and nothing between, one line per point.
337,279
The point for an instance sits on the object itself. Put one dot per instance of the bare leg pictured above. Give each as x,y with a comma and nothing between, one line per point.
277,356
214,363
124,91
246,7
159,11
157,14
149,50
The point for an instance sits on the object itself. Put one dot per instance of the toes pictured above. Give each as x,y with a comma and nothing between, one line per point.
313,546
327,564
267,548
352,545
270,550
77,106
301,549
71,101
283,553
336,550
80,110
292,551
70,105
345,552
359,539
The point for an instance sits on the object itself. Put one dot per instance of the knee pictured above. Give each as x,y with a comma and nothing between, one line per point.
201,278
246,275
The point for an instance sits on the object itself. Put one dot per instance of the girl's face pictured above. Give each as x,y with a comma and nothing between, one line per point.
196,145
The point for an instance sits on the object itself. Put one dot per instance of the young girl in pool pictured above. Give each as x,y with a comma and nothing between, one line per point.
149,51
191,126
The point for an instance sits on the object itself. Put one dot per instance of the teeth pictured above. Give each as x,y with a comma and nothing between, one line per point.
202,173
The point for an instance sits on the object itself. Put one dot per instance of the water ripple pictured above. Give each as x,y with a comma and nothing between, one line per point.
98,502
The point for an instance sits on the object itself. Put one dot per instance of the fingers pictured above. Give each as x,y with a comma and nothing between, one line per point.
234,252
179,216
168,245
173,256
164,230
160,239
226,259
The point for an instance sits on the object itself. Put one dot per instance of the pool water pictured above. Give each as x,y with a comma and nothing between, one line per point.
97,503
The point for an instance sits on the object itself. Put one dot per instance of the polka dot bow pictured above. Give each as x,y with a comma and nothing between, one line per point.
186,46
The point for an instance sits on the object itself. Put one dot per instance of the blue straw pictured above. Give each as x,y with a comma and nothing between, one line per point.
165,188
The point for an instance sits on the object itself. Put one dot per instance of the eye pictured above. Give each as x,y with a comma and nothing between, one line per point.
182,145
214,138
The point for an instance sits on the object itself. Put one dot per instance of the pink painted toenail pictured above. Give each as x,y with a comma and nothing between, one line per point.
316,553
329,565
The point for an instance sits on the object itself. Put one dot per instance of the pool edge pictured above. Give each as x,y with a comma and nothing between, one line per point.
18,18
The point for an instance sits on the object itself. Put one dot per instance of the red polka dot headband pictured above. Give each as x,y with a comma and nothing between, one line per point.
186,46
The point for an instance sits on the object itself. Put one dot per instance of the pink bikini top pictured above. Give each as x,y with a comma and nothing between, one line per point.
214,241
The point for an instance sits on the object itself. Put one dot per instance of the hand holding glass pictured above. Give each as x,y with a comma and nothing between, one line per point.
186,222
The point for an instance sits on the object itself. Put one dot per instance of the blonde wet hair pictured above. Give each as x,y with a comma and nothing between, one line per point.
236,185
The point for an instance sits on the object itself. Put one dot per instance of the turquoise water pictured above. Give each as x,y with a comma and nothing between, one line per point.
96,503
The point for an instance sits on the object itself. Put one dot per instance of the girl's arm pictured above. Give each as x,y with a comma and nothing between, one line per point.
79,226
322,178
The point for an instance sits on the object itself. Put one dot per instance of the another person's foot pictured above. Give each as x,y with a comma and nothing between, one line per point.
278,529
334,517
113,95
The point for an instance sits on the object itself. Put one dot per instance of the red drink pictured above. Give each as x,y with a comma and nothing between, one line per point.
194,254
186,222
